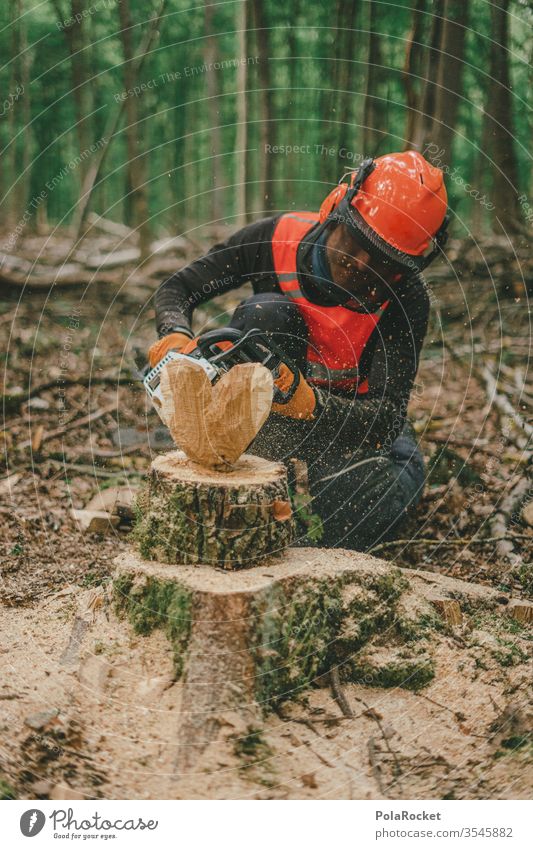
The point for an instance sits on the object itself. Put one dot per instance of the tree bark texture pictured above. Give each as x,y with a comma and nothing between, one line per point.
188,514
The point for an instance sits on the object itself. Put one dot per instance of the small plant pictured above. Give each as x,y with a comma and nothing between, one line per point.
308,524
6,791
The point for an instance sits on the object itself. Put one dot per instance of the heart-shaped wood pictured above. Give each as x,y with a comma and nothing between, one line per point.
215,424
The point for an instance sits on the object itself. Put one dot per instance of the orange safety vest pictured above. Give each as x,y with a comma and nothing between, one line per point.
337,336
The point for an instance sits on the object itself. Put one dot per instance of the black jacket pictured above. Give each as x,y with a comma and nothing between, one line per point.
390,359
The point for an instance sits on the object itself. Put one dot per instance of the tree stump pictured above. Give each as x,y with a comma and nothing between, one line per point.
189,514
246,642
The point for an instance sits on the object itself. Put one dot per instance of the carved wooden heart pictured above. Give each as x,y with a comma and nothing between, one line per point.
215,424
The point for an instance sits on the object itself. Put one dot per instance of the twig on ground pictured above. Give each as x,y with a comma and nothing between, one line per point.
338,693
464,543
376,768
81,422
500,522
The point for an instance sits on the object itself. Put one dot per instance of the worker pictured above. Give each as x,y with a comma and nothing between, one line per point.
341,293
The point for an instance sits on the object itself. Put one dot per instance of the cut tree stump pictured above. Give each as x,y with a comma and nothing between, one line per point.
245,642
189,514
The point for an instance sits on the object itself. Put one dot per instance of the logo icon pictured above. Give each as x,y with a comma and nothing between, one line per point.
32,822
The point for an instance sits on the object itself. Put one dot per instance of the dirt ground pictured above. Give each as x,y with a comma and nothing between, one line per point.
102,720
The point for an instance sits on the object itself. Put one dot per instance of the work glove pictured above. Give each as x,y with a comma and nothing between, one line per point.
302,404
173,342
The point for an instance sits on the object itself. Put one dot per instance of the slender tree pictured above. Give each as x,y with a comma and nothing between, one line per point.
501,132
449,77
241,137
74,25
213,93
136,194
412,69
373,113
266,125
426,108
346,54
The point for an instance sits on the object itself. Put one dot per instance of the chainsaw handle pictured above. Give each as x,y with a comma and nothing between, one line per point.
253,346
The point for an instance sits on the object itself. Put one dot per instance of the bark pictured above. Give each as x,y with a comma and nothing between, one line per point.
347,52
241,138
426,109
97,161
266,125
13,205
213,93
449,78
188,514
136,194
412,70
77,41
373,128
499,111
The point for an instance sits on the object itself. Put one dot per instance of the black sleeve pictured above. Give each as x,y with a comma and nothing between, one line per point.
374,420
246,255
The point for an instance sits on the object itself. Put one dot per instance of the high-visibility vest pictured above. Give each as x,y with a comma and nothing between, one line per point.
337,336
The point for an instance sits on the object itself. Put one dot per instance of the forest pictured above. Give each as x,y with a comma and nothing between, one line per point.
169,115
135,135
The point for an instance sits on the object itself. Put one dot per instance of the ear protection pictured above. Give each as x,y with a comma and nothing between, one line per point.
332,201
350,182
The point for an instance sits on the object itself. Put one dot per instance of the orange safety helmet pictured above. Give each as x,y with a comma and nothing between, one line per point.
395,205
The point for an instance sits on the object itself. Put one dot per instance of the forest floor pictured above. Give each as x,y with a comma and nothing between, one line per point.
70,355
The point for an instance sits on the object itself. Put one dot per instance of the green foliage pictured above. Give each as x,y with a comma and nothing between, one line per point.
319,77
309,525
412,674
6,791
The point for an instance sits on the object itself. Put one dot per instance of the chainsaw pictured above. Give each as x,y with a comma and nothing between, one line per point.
250,347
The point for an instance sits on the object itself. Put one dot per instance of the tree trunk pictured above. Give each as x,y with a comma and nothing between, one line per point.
347,41
241,138
266,161
412,70
23,185
13,206
449,79
189,514
372,129
113,120
77,42
213,93
426,110
499,112
136,195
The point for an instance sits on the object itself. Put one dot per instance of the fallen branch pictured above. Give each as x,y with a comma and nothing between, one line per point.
499,524
463,543
503,404
339,694
92,470
81,422
9,402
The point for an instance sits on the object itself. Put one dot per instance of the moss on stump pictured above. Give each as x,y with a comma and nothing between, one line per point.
188,515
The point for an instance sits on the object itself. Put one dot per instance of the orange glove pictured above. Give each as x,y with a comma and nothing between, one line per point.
173,342
303,402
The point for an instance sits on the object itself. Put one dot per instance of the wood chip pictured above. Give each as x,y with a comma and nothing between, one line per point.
95,521
521,610
449,609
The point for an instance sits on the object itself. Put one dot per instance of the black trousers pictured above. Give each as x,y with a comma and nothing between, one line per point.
361,499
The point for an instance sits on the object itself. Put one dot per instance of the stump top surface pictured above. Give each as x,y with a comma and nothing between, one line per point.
249,470
300,564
